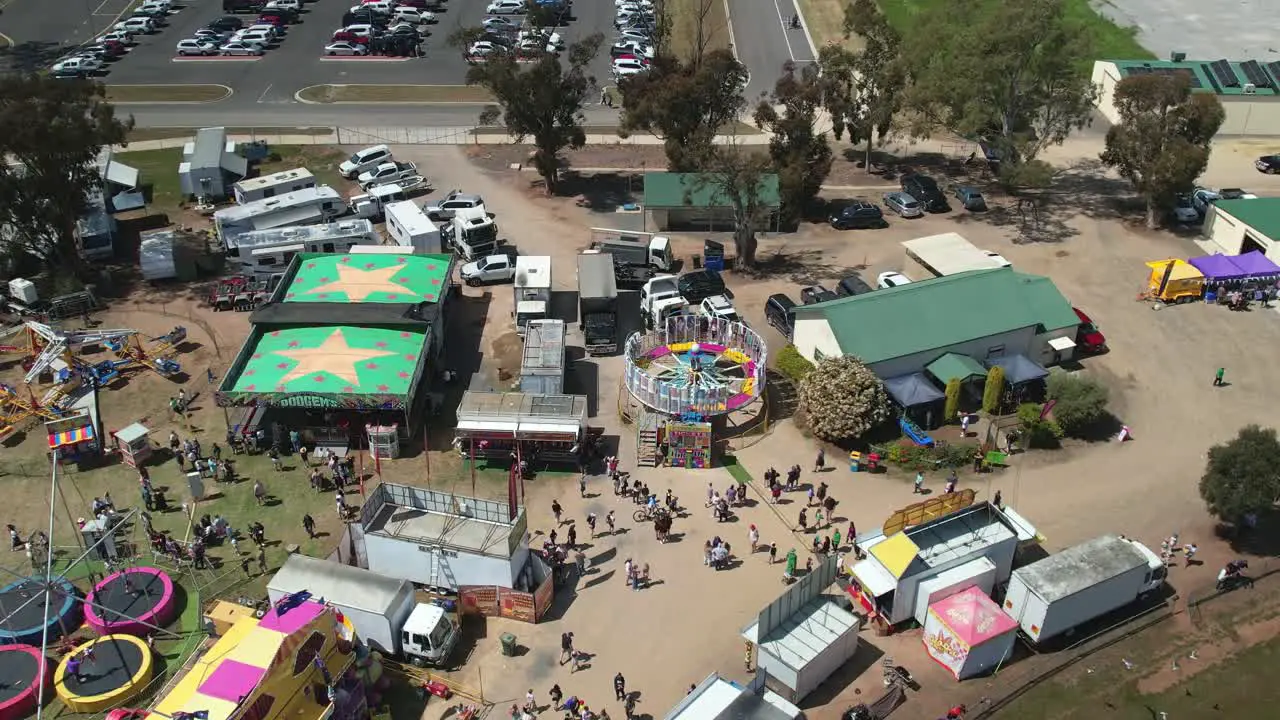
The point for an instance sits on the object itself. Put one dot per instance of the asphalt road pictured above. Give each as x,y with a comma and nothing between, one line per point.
765,41
40,32
282,115
1203,29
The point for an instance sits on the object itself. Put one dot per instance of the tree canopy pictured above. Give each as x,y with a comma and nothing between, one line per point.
1243,475
1161,144
685,104
738,173
843,400
542,100
800,152
862,90
1013,73
51,133
1079,402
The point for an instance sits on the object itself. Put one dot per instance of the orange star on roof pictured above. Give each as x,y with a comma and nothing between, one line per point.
359,284
333,356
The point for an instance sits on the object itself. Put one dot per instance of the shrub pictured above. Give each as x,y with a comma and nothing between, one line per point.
908,455
952,406
842,399
792,364
994,390
1079,401
1243,476
1041,432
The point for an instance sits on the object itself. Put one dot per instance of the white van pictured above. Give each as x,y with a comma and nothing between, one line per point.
365,159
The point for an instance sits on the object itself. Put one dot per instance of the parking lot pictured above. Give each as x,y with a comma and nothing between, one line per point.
298,60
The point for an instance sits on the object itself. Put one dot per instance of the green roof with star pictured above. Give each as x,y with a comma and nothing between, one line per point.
330,360
372,278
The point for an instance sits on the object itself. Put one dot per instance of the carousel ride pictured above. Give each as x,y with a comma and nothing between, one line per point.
689,372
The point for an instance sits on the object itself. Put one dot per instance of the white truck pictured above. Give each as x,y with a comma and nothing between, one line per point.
1055,595
408,226
637,256
388,173
660,298
532,289
373,204
300,207
383,611
471,233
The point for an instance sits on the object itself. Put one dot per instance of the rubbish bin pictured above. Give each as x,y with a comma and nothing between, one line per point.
713,255
508,644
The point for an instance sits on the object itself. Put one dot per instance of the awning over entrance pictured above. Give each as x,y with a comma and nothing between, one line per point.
911,390
1019,369
1062,344
955,366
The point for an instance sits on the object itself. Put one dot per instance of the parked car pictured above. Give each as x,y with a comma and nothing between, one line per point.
196,46
211,36
1269,164
499,23
925,189
387,172
83,66
482,49
346,48
635,34
1089,339
226,24
970,198
351,36
1184,210
699,285
858,215
242,6
780,312
103,51
156,13
634,48
278,17
365,159
274,31
903,204
891,279
546,35
815,294
246,48
261,37
629,65
505,7
120,36
381,7
494,268
853,285
294,5
137,25
444,208
413,15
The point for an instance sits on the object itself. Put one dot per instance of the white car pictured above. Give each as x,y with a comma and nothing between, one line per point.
345,48
364,31
259,37
193,46
505,7
80,64
381,7
891,279
161,6
413,15
720,306
272,30
530,46
241,47
1184,210
634,34
484,49
644,4
632,47
625,66
119,36
549,36
294,5
365,159
494,268
499,24
137,26
633,8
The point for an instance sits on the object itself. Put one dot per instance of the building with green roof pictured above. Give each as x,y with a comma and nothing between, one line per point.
1248,89
345,340
951,326
1242,226
683,201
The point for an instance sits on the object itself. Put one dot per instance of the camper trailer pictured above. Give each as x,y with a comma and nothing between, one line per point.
266,261
269,186
408,226
300,207
254,248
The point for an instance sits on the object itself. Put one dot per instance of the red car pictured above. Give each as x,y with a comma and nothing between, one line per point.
1089,339
277,20
351,37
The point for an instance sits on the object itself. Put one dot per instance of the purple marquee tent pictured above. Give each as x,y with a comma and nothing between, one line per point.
1257,266
1250,266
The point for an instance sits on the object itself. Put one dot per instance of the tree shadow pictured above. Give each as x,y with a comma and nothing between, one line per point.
600,192
802,267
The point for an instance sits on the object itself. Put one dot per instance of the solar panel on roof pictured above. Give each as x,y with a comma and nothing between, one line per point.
1137,70
1226,76
1255,73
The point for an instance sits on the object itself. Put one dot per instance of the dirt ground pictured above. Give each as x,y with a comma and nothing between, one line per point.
1159,370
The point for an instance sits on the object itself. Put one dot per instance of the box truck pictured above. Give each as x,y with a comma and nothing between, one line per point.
383,611
1065,590
598,303
532,289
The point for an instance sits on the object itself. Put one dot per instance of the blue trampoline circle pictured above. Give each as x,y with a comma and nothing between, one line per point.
22,608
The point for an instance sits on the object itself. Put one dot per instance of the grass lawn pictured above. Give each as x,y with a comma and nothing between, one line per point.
168,133
825,21
166,93
159,169
684,25
425,94
1113,42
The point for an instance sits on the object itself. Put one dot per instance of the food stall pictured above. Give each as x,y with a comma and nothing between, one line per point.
968,633
74,438
535,428
133,442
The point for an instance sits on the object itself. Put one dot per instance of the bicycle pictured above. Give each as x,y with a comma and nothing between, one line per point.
643,514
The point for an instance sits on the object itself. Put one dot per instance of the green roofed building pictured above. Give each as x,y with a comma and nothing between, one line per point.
1248,89
951,326
346,339
681,201
1245,225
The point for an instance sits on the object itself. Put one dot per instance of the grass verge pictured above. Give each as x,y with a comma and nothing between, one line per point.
1112,40
825,22
733,128
167,93
425,94
170,133
698,23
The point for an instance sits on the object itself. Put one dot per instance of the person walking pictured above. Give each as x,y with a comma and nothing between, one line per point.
773,552
580,559
803,520
997,501
835,539
643,579
950,487
817,520
1189,552
812,494
73,667
1217,377
259,492
627,568
820,462
964,424
556,510
274,454
309,524
619,687
295,440
566,646
919,486
582,483
303,452
262,559
753,537
608,519
573,537
591,523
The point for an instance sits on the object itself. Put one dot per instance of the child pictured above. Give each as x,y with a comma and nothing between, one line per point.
773,552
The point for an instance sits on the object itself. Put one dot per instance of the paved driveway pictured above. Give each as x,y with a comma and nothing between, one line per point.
764,41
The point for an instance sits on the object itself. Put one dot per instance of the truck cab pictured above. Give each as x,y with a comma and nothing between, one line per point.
720,306
1157,570
471,233
660,298
657,249
428,636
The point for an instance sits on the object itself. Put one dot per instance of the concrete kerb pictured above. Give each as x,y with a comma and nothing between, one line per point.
167,143
229,93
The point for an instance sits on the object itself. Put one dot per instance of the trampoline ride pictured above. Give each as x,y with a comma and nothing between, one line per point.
21,667
130,601
696,365
22,610
103,673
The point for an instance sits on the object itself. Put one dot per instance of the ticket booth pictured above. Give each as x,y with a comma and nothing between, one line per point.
133,442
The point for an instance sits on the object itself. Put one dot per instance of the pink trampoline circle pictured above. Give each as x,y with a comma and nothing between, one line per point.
22,665
130,602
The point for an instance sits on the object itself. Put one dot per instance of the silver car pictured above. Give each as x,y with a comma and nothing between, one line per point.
903,204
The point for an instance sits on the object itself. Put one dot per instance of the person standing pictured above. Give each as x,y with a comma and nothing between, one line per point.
573,537
275,458
835,539
1189,552
803,520
295,440
582,483
627,570
309,524
619,687
821,461
608,519
753,537
951,483
746,659
566,646
997,500
73,667
964,424
303,452
1217,377
262,559
773,552
643,579
812,494
591,523
580,559
556,510
259,492
919,486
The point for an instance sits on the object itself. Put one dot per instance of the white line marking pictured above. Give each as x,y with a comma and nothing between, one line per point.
95,10
785,27
264,92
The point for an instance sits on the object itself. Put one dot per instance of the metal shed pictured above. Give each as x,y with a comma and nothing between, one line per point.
210,164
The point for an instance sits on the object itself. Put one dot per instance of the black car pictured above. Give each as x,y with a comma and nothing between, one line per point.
853,285
364,17
1269,164
815,294
226,24
925,189
697,286
858,215
780,312
242,6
